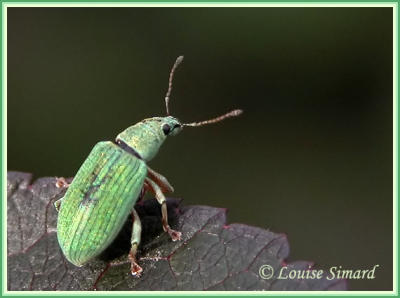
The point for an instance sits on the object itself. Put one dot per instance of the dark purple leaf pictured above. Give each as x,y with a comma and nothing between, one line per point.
211,256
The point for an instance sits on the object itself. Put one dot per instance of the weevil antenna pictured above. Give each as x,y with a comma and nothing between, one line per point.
171,77
233,113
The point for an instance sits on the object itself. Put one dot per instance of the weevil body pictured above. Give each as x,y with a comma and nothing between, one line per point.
108,184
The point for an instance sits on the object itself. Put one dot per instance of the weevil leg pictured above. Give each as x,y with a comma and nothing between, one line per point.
61,182
145,188
156,190
57,204
136,270
161,181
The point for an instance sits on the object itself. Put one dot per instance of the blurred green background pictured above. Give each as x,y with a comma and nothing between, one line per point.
310,157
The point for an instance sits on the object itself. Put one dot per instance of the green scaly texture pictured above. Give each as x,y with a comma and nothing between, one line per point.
97,203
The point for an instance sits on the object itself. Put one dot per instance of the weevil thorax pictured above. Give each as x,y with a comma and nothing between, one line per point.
147,136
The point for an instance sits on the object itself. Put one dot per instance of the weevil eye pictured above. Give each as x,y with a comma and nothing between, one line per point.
166,129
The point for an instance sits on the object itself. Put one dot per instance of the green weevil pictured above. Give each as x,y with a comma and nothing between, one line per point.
109,183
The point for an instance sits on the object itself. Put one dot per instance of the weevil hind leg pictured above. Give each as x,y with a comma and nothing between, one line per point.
156,190
160,180
136,270
57,204
61,182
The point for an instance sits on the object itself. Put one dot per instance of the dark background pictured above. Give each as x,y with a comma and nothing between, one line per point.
310,157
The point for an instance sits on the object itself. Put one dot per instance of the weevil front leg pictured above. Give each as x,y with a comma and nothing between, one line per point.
136,270
160,180
156,190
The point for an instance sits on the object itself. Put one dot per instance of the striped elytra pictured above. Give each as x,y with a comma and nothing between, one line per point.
97,203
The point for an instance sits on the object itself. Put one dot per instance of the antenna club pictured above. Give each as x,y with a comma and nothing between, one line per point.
236,112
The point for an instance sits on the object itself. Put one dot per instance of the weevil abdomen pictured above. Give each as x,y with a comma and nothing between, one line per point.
98,201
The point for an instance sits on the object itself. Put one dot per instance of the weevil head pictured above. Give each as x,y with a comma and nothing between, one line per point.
147,136
171,126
